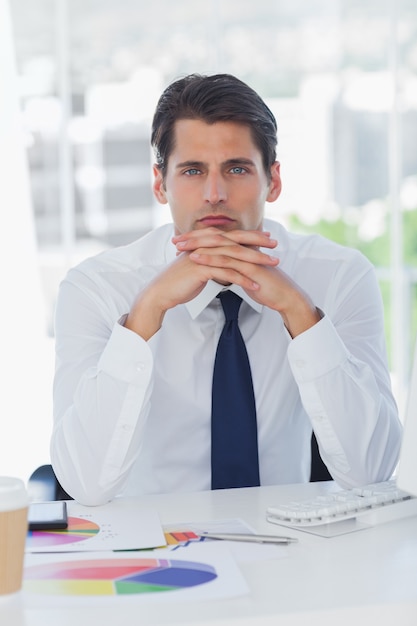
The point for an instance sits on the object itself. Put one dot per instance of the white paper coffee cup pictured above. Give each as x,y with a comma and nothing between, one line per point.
14,503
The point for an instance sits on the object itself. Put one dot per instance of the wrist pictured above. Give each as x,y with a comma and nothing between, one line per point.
301,316
145,317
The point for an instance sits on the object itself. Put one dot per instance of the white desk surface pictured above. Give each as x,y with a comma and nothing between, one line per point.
365,577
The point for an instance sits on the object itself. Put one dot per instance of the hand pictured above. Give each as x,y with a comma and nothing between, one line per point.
225,248
279,292
226,257
214,237
184,279
238,251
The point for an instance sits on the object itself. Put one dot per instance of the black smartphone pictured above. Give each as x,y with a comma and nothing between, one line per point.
48,515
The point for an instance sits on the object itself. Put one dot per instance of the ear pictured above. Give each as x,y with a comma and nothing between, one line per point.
158,185
275,185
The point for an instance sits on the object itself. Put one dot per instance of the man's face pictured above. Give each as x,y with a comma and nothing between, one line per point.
215,177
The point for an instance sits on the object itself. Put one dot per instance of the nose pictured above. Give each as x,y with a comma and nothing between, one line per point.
215,188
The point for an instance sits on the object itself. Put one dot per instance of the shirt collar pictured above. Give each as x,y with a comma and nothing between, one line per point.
210,291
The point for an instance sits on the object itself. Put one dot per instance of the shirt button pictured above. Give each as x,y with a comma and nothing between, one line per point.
140,367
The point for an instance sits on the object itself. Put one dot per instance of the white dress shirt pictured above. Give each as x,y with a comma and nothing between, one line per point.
133,417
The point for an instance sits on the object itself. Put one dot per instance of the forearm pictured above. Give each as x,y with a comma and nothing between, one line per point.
92,464
350,404
99,416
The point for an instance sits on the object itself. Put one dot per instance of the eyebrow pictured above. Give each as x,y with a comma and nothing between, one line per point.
227,163
195,164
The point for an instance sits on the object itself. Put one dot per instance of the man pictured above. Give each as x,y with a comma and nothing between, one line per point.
137,327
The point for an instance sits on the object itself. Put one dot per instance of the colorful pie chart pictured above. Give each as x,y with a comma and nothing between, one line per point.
119,576
78,530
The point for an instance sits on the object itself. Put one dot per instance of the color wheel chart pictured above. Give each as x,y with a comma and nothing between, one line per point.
78,530
120,576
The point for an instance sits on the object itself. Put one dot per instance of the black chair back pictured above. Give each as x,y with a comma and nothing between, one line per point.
319,471
43,485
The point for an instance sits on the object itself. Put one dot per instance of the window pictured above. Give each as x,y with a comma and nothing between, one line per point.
341,76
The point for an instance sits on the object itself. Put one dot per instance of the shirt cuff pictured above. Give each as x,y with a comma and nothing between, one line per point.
126,357
316,352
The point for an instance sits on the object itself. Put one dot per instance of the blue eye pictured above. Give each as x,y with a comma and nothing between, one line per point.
238,170
192,171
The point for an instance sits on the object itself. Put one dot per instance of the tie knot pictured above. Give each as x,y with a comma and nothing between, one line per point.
230,303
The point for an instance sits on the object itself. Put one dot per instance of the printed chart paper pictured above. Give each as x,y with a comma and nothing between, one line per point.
181,535
107,527
203,571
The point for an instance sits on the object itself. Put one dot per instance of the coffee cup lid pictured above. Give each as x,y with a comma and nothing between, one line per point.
13,494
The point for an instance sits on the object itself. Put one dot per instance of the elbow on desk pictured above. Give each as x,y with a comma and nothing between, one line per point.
88,501
87,493
87,496
379,465
81,483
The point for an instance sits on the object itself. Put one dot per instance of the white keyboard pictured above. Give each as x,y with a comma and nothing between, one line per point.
346,504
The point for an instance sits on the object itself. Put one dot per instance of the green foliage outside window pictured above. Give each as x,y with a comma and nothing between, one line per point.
377,250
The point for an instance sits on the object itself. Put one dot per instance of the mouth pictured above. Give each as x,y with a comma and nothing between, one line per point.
216,220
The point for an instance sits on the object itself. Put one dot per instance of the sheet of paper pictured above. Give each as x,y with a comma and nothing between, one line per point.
182,535
202,571
107,527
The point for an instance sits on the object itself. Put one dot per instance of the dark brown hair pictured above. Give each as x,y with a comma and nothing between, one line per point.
217,98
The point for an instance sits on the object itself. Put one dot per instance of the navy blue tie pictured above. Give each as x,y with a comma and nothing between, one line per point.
234,436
